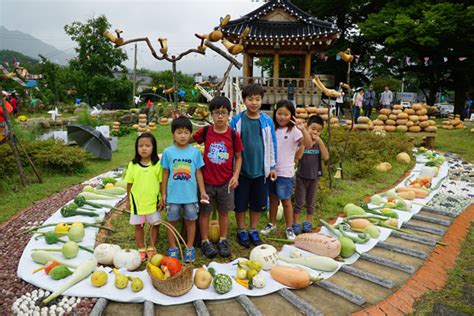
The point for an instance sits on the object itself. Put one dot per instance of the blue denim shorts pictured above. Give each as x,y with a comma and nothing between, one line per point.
282,188
190,211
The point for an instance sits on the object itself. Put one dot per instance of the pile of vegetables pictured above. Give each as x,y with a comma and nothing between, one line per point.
266,255
248,274
163,267
80,273
348,247
51,237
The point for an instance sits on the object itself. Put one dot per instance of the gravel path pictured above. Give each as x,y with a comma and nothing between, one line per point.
458,192
12,245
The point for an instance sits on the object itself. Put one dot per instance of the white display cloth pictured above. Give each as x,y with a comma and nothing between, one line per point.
109,291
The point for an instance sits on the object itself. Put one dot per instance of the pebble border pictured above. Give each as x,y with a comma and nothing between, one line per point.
433,275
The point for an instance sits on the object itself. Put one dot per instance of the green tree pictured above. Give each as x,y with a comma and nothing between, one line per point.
428,29
96,61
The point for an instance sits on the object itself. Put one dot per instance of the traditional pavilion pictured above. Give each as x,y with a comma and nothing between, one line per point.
279,28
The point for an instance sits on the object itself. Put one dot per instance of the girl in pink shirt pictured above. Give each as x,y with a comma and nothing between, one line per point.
290,133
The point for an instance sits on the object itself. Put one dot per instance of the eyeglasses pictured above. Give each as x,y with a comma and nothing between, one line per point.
220,113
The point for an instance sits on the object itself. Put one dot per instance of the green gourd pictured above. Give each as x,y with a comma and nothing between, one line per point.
351,209
59,272
222,283
69,250
313,262
348,247
76,233
389,212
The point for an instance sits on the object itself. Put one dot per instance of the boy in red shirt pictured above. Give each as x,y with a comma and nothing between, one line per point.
222,163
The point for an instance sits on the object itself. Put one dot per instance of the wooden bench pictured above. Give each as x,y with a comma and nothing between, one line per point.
429,138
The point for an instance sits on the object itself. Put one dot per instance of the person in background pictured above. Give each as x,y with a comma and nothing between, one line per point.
340,102
14,102
359,99
369,100
386,98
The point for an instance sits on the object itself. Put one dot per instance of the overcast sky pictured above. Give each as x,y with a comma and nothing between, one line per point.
176,20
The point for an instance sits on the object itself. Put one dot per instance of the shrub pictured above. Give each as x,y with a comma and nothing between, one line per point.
364,150
49,154
84,118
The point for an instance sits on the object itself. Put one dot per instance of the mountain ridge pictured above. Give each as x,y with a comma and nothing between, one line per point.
31,46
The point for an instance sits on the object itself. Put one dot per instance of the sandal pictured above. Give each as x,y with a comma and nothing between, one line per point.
150,252
142,252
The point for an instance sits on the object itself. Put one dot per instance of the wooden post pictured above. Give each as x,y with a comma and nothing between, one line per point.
175,83
250,66
276,68
245,62
307,66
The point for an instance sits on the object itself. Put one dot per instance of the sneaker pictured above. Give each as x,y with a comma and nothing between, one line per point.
208,249
296,228
243,239
290,234
224,248
268,229
173,252
189,254
255,238
307,227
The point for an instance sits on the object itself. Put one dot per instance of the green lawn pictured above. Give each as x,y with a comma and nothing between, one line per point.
460,141
17,197
458,294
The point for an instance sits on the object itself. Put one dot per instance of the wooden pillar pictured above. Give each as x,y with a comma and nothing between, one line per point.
276,68
307,66
245,63
250,58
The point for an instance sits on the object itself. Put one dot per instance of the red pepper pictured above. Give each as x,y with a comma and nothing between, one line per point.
50,265
173,265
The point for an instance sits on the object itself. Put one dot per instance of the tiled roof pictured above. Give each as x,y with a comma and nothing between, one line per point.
304,26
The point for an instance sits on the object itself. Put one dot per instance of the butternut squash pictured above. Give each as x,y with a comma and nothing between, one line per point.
291,277
385,111
408,195
419,193
363,120
390,128
402,116
360,223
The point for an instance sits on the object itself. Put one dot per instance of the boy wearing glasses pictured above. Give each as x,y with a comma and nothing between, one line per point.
222,163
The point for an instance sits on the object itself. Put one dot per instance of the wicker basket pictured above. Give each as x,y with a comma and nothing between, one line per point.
180,283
